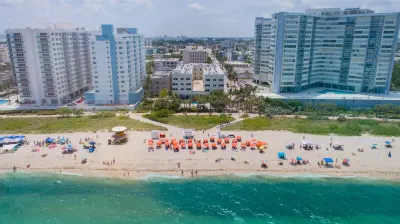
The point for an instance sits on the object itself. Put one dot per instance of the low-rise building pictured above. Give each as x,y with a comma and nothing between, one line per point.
242,69
160,80
4,57
195,55
194,79
166,64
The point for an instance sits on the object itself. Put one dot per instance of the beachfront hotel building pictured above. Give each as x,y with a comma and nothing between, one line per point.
51,66
196,54
194,79
118,67
347,50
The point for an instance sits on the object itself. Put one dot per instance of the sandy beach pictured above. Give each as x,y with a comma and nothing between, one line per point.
135,158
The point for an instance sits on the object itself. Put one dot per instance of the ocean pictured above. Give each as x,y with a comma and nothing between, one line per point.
46,198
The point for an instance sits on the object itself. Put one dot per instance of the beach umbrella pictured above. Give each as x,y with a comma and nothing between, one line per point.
264,143
150,143
346,160
183,144
281,154
173,139
150,140
328,160
175,143
219,141
181,140
176,146
299,158
388,143
212,138
205,145
238,137
190,140
259,143
253,139
205,140
159,143
226,140
198,144
234,140
167,144
190,145
223,144
234,145
252,144
214,145
243,144
248,142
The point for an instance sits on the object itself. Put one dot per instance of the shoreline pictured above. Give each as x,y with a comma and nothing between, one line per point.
176,174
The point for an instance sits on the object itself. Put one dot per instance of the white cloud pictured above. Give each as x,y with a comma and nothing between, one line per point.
196,6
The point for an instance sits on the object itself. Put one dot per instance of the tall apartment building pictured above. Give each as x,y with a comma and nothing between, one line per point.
350,50
166,64
195,55
194,79
119,67
51,66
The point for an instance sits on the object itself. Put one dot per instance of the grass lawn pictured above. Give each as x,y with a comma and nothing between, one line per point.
144,107
73,124
193,121
319,127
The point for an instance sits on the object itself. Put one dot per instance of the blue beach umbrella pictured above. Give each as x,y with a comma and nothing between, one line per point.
328,160
299,158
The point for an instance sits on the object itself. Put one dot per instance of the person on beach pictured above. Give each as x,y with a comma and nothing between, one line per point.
192,173
15,169
113,161
128,173
179,165
182,172
75,156
197,172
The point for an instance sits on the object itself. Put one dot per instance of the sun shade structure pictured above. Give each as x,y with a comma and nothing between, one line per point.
299,158
118,129
328,160
281,154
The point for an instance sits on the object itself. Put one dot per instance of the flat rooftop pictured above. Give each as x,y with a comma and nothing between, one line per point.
209,69
167,59
323,93
159,74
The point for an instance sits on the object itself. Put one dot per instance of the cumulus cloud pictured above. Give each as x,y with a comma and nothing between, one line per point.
196,6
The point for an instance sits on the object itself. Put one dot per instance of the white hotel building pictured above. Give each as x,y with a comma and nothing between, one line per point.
194,79
119,69
51,66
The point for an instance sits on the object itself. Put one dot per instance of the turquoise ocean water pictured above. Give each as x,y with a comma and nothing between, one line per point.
39,198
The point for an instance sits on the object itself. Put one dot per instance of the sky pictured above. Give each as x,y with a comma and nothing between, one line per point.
196,18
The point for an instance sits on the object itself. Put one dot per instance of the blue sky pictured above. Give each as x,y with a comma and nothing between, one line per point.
170,17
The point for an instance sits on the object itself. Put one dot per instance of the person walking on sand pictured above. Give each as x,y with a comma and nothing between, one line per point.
179,165
113,161
192,173
75,156
182,172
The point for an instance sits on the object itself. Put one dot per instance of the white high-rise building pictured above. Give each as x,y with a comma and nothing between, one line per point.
119,67
193,79
51,66
344,50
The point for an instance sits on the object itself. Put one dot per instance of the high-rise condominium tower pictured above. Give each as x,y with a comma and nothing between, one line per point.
51,66
350,49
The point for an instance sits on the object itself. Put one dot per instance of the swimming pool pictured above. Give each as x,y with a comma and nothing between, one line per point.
3,101
334,91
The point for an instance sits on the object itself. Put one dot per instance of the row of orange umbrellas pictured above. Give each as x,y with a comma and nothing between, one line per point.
252,143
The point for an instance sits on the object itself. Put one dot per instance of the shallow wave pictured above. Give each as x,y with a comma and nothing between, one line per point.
72,174
153,176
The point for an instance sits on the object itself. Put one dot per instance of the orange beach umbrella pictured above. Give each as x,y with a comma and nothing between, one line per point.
243,144
214,145
226,140
223,144
234,140
234,145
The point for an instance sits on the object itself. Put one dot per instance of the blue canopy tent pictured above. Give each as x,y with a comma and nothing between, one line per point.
299,158
388,144
50,140
281,155
328,160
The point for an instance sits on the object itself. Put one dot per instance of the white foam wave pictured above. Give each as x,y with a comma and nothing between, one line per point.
153,176
71,174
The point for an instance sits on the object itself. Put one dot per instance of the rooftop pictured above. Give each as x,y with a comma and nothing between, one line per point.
209,69
167,59
236,63
159,74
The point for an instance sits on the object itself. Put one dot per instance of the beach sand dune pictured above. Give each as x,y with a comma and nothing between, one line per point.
135,158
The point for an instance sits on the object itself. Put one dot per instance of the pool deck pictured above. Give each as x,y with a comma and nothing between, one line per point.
314,94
